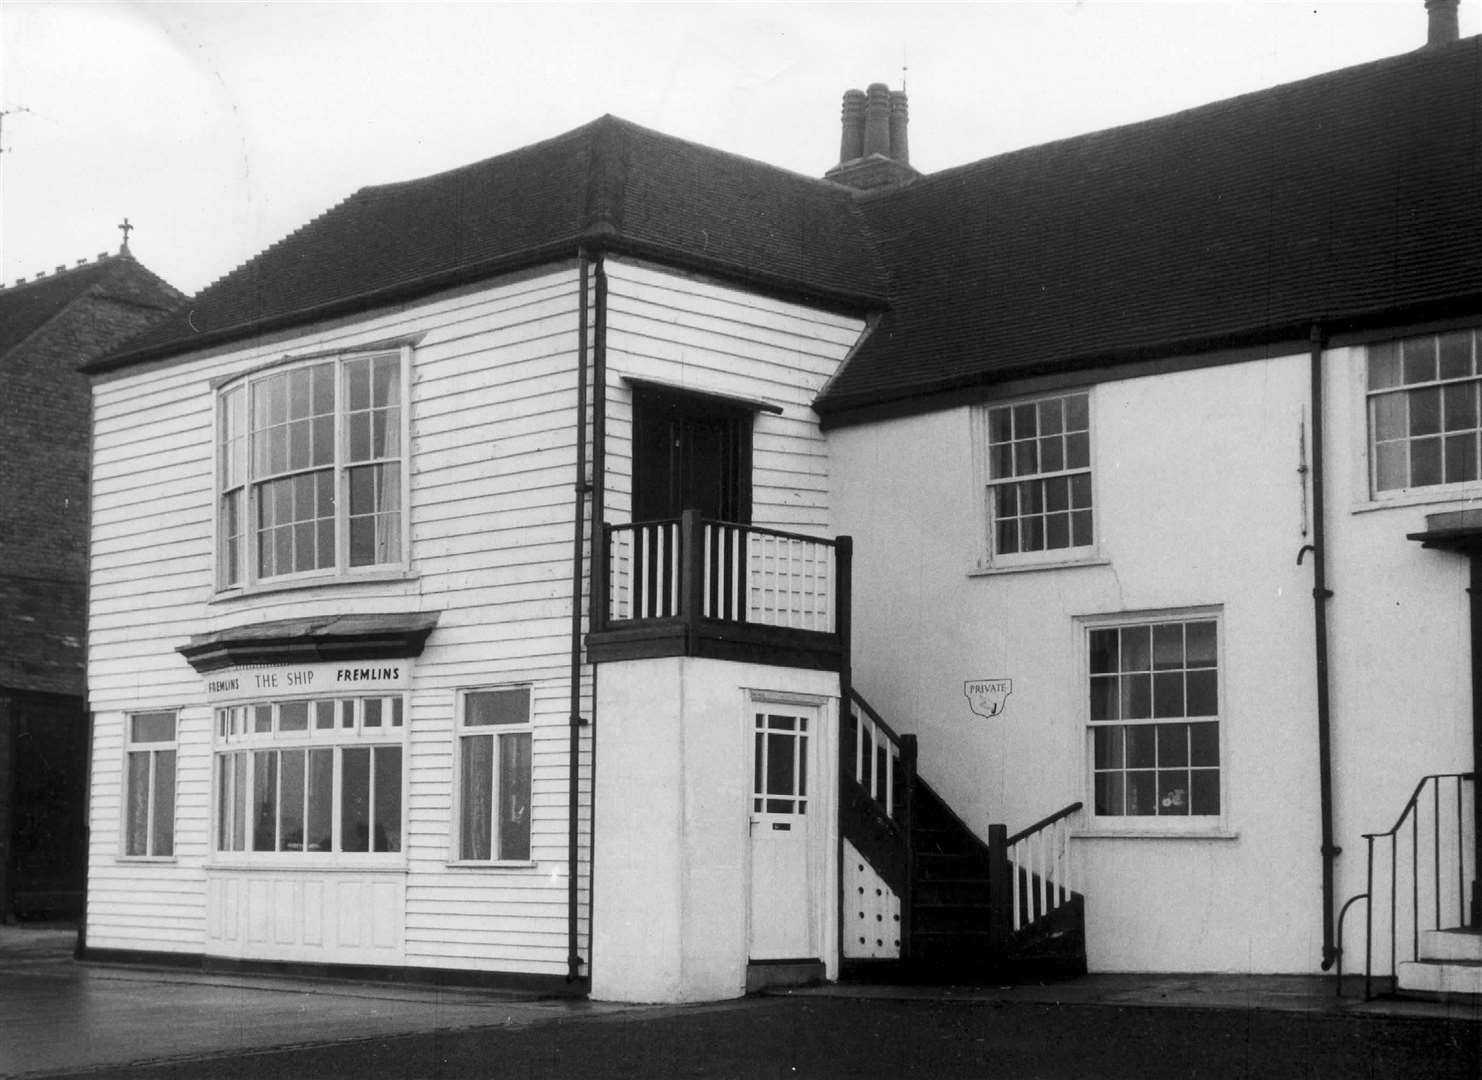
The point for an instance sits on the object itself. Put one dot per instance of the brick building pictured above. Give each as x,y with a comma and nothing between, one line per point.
48,326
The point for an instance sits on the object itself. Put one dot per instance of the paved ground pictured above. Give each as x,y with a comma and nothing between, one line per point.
59,1018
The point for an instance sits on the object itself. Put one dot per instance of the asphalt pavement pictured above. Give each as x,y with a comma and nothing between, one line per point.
62,1018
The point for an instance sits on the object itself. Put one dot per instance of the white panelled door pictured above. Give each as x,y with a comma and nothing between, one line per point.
782,820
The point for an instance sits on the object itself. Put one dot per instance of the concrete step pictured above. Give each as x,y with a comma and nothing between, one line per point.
1458,943
1441,977
764,974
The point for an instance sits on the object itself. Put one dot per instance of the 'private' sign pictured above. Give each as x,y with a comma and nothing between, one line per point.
986,697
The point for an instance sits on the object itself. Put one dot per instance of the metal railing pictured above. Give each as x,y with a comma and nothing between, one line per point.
1427,867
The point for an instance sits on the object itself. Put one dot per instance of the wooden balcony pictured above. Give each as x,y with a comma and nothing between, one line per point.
688,586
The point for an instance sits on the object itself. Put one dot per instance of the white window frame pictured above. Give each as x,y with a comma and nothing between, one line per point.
151,750
1370,400
989,481
1167,825
243,575
462,734
235,733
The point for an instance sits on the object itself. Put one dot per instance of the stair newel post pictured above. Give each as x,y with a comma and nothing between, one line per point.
908,827
1000,893
691,576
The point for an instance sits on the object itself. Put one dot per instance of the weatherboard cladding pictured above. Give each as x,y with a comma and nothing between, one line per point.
1350,197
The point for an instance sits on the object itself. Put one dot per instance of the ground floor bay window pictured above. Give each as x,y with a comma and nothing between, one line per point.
310,778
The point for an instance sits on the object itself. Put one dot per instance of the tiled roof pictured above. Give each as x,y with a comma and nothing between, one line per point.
610,181
27,306
1339,198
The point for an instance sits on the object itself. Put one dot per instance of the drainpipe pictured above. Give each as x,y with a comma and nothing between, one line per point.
579,501
1321,594
598,592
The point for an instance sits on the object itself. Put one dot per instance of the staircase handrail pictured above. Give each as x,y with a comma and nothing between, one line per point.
1044,823
858,699
1411,813
1414,798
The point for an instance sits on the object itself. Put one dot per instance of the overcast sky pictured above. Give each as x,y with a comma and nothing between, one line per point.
217,129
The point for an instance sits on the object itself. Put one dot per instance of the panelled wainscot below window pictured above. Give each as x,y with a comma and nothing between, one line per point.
1035,459
312,469
1425,418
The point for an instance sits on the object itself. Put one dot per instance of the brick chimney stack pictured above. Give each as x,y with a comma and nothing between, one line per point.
1444,26
852,145
873,149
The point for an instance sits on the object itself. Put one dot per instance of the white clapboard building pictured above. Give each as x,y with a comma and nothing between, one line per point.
622,566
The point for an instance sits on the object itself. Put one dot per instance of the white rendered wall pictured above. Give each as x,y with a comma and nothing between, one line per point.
672,806
1199,502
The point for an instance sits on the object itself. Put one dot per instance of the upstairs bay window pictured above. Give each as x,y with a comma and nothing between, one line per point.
1037,465
312,470
1425,423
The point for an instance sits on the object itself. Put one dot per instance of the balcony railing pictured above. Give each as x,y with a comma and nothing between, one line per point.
691,586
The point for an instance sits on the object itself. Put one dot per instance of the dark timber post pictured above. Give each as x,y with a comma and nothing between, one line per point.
1000,892
908,837
691,576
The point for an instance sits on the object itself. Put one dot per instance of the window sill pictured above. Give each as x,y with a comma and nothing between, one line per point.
1466,494
1030,567
309,866
492,864
377,577
1215,833
146,859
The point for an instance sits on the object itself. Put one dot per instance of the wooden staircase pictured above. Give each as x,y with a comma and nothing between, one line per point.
969,909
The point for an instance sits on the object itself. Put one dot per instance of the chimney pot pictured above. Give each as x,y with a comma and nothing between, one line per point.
1443,25
877,120
852,145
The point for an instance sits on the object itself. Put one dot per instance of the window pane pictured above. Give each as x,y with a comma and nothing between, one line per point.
323,714
1173,791
1425,462
1204,744
1025,422
1168,694
1051,416
355,822
1419,359
1391,417
1104,698
1057,531
1109,744
1203,696
1080,528
262,718
225,808
781,757
264,800
1173,745
1051,454
1006,536
162,841
293,716
1205,795
1104,651
475,813
514,796
1425,411
371,712
1057,494
999,425
1077,451
1142,793
1461,458
291,800
486,707
1459,406
319,802
1168,646
1456,354
387,834
1142,746
1077,412
1384,365
1391,466
1109,793
239,807
1200,644
153,727
136,829
1137,648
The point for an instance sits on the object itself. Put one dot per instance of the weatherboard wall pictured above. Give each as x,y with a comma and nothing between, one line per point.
492,456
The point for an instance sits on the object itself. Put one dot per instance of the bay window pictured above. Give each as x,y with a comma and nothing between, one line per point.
312,777
312,471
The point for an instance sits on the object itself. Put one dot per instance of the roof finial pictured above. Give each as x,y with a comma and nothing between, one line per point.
125,228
